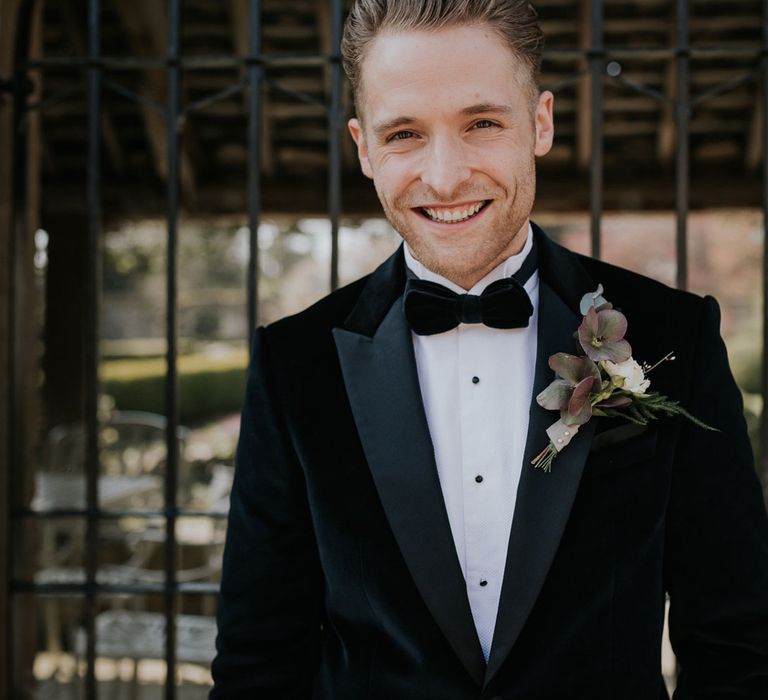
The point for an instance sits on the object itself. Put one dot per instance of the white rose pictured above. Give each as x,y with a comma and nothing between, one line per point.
631,372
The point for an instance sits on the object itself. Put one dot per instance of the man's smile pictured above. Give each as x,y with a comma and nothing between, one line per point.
454,214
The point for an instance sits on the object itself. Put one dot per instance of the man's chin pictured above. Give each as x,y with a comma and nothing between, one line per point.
459,266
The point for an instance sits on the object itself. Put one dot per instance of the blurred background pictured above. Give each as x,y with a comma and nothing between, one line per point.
175,172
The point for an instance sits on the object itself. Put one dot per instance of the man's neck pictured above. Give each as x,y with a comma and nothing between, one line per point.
469,280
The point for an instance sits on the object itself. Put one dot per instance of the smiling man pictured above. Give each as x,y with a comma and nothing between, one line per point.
389,536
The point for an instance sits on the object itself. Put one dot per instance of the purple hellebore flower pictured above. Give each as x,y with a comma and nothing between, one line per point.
578,377
601,335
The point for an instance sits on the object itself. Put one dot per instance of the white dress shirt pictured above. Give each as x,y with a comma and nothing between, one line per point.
476,384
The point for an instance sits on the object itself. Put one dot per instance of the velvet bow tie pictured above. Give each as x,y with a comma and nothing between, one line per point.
432,308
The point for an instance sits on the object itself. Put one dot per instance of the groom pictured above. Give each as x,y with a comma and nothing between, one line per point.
388,536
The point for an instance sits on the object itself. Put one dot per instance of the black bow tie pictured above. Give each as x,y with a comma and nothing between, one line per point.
432,308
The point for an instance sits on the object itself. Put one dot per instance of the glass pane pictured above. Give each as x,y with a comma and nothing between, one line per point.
213,356
132,369
130,645
46,659
194,675
200,546
363,245
295,257
132,551
52,551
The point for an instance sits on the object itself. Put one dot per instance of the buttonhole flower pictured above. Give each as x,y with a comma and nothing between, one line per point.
605,382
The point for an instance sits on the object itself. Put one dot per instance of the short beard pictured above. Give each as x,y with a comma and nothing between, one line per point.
495,246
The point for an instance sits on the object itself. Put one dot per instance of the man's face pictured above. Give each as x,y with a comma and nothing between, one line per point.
449,132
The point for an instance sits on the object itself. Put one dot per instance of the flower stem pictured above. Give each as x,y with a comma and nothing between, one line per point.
545,458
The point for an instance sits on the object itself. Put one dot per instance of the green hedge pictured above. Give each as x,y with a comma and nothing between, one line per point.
207,386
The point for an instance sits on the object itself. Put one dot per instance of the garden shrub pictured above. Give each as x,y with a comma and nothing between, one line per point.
208,386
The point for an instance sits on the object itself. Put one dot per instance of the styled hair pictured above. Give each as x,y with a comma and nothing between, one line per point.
515,21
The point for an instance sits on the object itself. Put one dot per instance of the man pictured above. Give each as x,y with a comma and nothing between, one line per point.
388,535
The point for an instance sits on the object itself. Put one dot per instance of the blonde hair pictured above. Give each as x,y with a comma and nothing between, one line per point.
515,21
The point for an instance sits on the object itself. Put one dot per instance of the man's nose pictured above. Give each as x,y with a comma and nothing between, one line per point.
445,167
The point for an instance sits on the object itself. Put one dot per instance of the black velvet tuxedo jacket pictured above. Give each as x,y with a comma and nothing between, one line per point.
341,580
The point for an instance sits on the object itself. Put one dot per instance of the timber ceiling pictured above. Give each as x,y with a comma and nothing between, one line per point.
639,128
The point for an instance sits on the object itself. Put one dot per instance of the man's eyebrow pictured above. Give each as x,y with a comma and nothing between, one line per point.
385,126
484,107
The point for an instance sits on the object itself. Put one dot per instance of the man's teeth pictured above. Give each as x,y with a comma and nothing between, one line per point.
452,216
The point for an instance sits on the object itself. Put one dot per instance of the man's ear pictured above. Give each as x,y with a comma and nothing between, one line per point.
545,125
356,129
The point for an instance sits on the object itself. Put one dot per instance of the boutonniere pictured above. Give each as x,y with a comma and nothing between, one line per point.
604,381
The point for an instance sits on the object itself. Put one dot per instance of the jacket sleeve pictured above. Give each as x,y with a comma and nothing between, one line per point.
270,600
716,563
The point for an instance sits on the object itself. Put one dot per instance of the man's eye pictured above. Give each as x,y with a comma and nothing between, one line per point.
484,124
401,135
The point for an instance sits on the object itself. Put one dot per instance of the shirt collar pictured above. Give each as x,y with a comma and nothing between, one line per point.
507,268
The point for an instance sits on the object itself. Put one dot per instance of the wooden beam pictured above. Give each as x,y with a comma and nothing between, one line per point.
348,148
108,131
584,97
665,142
667,134
753,153
323,22
146,26
267,132
240,22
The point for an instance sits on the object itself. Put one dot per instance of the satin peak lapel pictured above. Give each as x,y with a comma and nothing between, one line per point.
544,500
383,388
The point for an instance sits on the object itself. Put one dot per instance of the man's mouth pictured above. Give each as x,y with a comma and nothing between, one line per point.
455,214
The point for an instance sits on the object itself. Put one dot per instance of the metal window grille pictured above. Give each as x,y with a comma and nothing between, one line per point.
600,64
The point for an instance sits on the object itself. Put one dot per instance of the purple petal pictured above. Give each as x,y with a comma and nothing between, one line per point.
612,325
616,351
572,368
588,330
580,397
579,418
585,338
566,366
556,396
591,321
